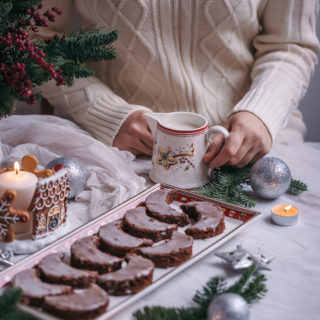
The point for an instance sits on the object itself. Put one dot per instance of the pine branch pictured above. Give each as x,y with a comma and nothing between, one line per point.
71,70
297,187
17,316
223,190
228,185
251,291
162,313
241,283
255,290
25,64
7,100
88,45
8,302
212,288
6,7
25,4
9,299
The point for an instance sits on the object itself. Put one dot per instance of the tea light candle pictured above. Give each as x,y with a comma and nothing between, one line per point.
24,183
284,215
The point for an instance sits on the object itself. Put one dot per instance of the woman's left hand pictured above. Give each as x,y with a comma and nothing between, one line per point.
249,140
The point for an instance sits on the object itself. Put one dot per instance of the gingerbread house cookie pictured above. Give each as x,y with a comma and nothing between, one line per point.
49,207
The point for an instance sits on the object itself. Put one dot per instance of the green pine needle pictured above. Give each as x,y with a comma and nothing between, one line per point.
7,100
255,290
25,4
9,299
71,53
212,288
251,288
8,303
297,187
229,184
162,313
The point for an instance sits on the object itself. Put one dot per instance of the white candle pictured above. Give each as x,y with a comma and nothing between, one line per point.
24,183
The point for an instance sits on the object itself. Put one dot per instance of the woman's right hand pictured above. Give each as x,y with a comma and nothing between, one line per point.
134,135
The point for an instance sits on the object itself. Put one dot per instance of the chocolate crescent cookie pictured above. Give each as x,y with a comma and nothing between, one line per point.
138,223
52,269
34,290
117,242
83,304
86,255
135,276
171,252
157,205
209,219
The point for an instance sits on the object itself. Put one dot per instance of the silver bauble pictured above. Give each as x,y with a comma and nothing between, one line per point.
270,177
76,175
228,306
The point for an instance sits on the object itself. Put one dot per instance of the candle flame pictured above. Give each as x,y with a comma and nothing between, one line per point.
16,166
287,208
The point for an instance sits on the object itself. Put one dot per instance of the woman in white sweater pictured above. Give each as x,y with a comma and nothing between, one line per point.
244,64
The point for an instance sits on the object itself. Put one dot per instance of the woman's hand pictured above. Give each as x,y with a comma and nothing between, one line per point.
134,135
249,140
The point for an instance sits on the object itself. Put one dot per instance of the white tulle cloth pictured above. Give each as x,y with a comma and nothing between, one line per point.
110,173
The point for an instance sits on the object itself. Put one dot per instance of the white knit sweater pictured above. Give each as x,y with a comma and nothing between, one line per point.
214,57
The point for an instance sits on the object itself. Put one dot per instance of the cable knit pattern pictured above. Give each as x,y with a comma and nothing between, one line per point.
215,57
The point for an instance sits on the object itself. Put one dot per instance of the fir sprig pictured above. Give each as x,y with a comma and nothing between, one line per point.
8,303
25,64
251,289
229,185
297,187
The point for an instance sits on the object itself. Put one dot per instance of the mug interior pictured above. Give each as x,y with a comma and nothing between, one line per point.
185,121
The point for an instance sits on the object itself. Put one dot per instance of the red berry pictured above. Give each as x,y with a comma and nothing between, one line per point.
58,167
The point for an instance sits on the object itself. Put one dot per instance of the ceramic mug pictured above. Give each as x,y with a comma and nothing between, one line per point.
181,140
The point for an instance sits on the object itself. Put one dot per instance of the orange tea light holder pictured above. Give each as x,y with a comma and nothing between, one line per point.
284,215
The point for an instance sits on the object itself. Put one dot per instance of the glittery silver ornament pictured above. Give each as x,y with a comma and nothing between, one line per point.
270,177
76,175
228,306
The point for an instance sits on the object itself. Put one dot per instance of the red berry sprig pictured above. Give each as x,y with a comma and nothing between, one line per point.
17,39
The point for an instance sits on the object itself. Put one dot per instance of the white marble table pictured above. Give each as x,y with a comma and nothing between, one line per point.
294,282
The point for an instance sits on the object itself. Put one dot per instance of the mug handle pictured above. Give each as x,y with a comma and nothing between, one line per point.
212,130
215,129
